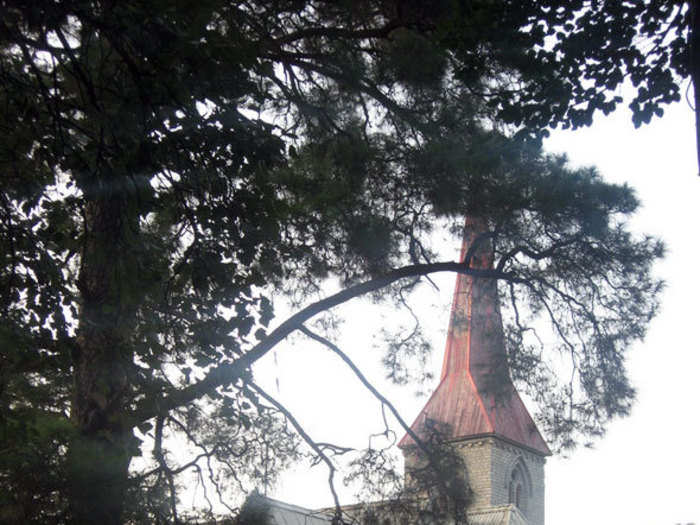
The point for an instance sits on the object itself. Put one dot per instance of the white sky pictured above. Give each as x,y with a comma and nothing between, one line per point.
645,471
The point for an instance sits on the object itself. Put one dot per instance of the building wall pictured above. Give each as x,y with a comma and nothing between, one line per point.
504,459
477,458
490,462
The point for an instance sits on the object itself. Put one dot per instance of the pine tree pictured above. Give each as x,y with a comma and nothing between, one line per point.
170,167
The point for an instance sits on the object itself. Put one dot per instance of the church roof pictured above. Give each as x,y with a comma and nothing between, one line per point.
502,515
475,396
281,513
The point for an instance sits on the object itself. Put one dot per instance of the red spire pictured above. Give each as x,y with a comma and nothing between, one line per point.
475,396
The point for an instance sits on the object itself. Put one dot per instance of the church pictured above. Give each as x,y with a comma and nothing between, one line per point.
479,410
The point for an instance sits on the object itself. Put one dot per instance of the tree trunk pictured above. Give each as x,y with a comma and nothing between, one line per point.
694,38
100,453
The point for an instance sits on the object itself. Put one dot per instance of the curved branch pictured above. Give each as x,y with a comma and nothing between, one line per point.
534,254
385,402
229,373
429,455
315,446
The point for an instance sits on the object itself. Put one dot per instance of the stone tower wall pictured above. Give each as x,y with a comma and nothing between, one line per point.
476,454
504,458
477,458
490,462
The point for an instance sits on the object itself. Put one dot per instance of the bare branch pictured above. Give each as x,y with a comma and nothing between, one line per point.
385,402
315,446
160,457
228,373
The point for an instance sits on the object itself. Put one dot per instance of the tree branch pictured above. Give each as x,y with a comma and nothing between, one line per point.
534,254
337,351
228,373
315,446
337,32
429,454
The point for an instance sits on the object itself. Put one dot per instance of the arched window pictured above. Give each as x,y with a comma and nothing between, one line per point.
519,488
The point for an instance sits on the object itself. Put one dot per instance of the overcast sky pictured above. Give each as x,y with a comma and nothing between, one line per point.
645,470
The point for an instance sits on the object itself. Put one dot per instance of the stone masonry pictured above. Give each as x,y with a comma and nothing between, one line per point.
490,462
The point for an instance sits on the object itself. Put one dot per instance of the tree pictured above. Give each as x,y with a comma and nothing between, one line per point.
168,168
254,511
588,51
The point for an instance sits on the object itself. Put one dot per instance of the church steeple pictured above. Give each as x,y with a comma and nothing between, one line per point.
476,397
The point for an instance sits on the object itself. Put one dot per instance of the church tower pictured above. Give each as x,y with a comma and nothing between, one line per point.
478,407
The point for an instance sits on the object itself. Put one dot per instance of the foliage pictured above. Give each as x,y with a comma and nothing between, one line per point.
169,167
436,489
254,512
580,53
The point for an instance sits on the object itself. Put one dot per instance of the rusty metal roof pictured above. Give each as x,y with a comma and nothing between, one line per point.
476,396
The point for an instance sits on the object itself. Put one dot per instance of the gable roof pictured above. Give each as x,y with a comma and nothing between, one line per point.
502,515
282,513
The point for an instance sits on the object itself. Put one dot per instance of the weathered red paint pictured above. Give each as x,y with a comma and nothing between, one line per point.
476,396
